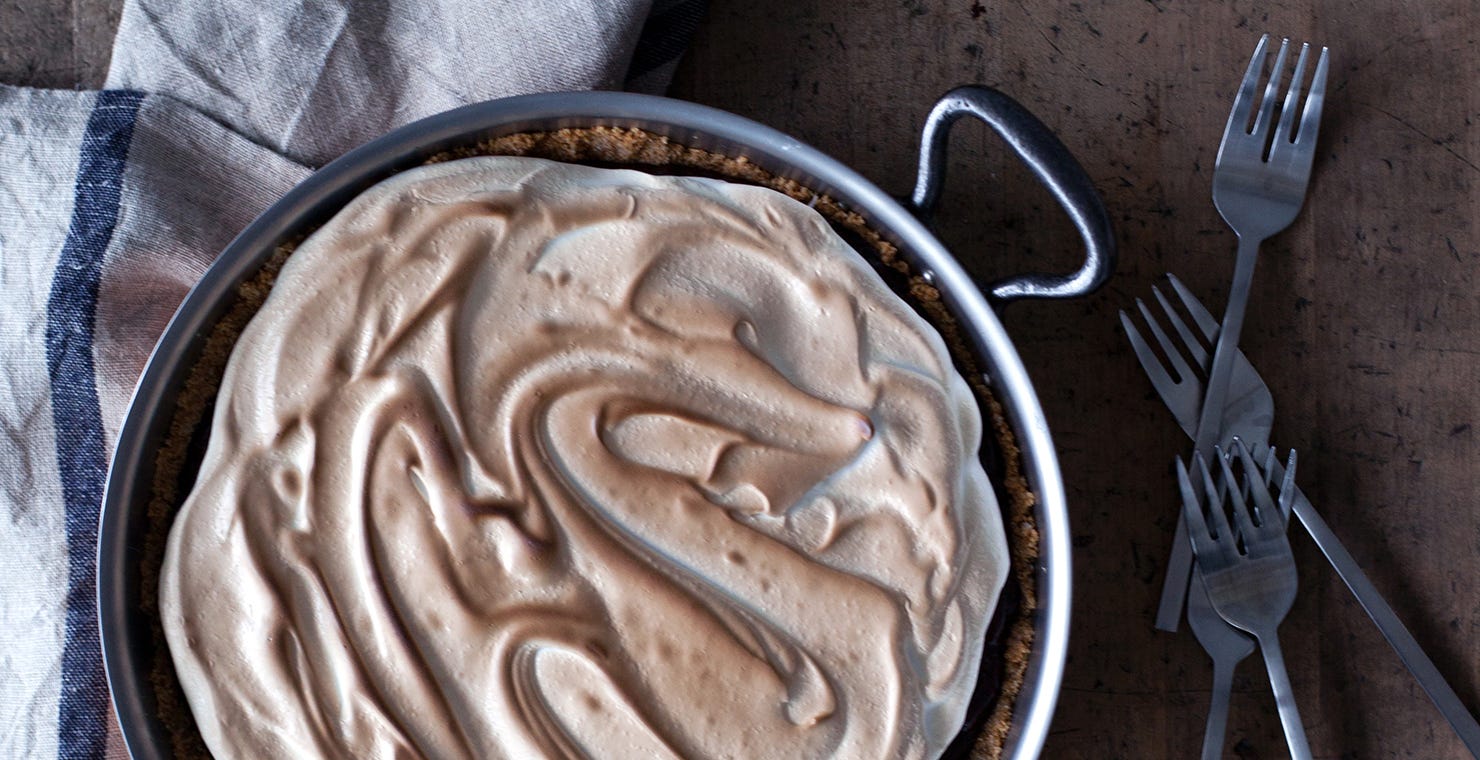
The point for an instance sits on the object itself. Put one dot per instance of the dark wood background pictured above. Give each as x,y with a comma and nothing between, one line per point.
1365,316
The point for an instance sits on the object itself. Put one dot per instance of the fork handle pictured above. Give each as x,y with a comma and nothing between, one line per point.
1209,424
1210,421
1397,634
1284,696
1217,728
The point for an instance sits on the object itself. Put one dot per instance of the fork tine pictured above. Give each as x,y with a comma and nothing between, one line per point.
1219,520
1150,363
1240,509
1213,490
1243,104
1271,91
1284,132
1299,150
1190,342
1197,527
1287,487
1270,519
1200,313
1310,120
1167,346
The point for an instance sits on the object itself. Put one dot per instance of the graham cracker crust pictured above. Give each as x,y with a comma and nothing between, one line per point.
629,148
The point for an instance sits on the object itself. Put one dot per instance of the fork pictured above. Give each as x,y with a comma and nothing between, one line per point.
1259,183
1250,415
1249,574
1226,646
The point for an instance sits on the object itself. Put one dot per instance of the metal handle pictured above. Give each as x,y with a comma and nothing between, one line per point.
1284,696
1387,621
1056,169
1217,726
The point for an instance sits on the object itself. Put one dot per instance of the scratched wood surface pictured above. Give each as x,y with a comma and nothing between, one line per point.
1365,319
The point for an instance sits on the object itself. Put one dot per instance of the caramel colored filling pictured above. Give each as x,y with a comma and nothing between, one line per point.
527,459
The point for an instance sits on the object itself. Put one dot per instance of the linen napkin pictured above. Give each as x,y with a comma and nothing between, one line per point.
113,203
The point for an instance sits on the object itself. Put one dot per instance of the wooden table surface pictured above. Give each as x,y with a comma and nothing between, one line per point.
1365,317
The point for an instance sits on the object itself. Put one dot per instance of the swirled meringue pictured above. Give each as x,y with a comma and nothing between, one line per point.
526,459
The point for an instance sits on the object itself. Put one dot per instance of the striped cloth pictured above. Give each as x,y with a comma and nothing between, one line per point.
112,203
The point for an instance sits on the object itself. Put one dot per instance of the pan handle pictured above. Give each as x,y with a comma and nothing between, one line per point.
1056,169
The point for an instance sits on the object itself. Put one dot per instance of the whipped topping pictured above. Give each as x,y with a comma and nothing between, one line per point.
525,459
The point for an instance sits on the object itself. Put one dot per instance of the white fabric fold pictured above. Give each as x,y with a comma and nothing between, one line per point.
314,79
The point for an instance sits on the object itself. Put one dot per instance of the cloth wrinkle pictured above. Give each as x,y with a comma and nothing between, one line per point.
201,71
291,131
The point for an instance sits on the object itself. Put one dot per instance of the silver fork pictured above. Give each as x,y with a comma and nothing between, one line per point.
1249,574
1226,645
1259,184
1249,414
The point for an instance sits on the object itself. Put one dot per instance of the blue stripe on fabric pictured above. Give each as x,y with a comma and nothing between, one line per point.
71,310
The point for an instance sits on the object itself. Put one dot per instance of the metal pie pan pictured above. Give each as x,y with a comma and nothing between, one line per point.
127,642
